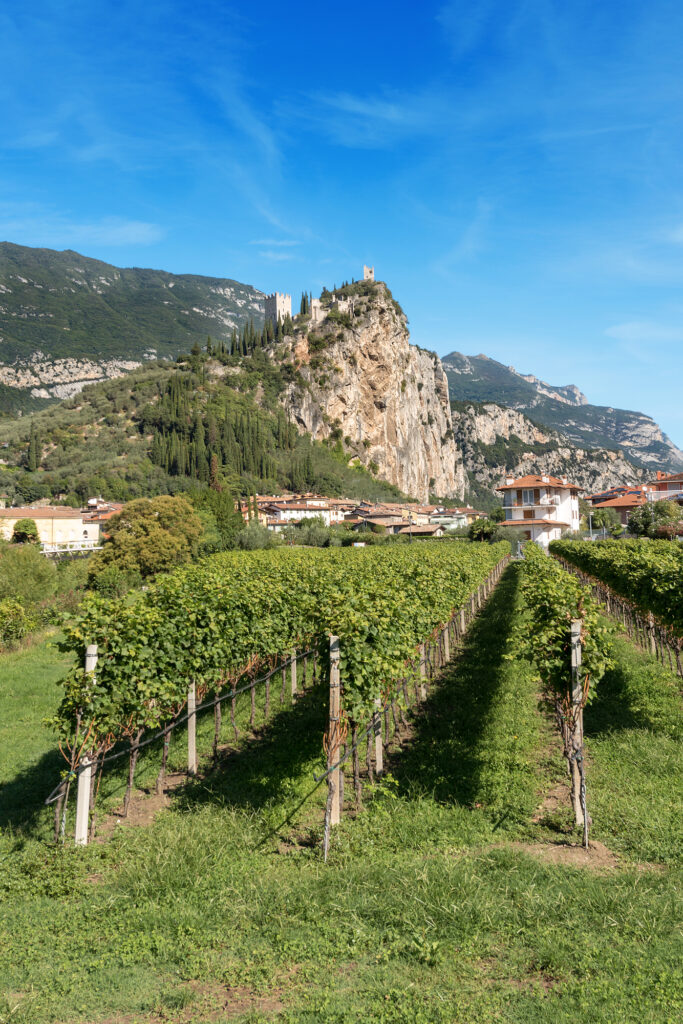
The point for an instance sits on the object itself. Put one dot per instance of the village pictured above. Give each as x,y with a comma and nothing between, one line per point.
543,507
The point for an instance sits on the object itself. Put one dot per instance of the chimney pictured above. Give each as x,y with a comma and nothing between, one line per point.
509,480
564,480
545,479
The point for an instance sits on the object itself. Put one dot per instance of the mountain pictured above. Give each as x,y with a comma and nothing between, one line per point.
167,427
67,320
359,379
564,410
496,441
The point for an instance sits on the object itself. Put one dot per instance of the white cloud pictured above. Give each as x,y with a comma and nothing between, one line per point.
275,241
30,226
276,255
645,331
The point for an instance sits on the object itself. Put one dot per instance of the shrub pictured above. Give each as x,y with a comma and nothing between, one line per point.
25,532
15,623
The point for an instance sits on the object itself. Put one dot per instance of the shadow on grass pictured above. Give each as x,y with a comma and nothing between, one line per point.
445,756
22,798
262,770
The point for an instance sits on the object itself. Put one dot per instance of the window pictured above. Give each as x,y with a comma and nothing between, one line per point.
528,513
527,497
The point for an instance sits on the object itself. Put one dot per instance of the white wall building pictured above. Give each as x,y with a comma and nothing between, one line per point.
56,525
544,507
296,511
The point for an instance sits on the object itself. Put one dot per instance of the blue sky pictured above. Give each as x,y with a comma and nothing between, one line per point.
512,169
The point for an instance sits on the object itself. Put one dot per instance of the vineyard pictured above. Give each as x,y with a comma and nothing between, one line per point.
640,581
436,676
213,631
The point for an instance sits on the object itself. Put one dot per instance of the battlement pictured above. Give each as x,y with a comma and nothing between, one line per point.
278,306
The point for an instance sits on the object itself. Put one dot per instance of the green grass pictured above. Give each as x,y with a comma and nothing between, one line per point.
633,739
29,762
425,913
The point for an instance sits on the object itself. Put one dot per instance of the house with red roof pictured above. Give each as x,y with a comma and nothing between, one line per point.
667,486
543,507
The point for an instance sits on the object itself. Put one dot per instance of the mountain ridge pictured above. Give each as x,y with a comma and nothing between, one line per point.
67,319
564,409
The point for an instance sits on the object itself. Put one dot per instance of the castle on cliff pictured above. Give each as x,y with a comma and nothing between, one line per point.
279,305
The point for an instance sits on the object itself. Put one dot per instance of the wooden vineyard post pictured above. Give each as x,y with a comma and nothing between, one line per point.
576,739
192,730
333,741
293,675
85,770
651,634
377,730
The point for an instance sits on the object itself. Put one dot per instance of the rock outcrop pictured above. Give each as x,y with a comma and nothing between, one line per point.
362,383
496,441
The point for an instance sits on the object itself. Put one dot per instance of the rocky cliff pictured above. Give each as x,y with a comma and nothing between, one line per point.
563,409
361,383
496,441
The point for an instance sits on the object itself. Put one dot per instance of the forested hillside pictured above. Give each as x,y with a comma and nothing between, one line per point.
66,319
209,417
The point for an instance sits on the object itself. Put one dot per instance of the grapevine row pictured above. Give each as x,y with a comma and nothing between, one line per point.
236,614
564,635
647,572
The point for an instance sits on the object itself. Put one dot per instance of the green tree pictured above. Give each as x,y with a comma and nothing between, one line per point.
482,529
25,532
150,536
654,516
607,518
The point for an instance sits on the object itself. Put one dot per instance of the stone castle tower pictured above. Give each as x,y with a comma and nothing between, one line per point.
278,306
368,273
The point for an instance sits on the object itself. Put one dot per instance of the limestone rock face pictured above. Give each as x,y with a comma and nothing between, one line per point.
360,380
496,441
61,378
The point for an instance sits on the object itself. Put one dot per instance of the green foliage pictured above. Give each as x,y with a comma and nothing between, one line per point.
112,581
647,572
168,430
555,598
15,623
137,311
232,613
149,536
25,532
653,517
482,529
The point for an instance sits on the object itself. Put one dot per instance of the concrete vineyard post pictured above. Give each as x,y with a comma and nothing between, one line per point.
293,675
462,622
446,644
578,784
192,730
423,672
83,802
377,729
85,772
333,734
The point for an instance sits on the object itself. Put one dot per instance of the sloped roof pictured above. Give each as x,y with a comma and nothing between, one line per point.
538,481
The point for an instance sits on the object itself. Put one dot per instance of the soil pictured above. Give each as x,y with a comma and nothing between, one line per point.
209,1002
144,806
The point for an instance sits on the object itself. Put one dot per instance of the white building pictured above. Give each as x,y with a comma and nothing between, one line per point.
58,526
296,511
278,306
544,507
